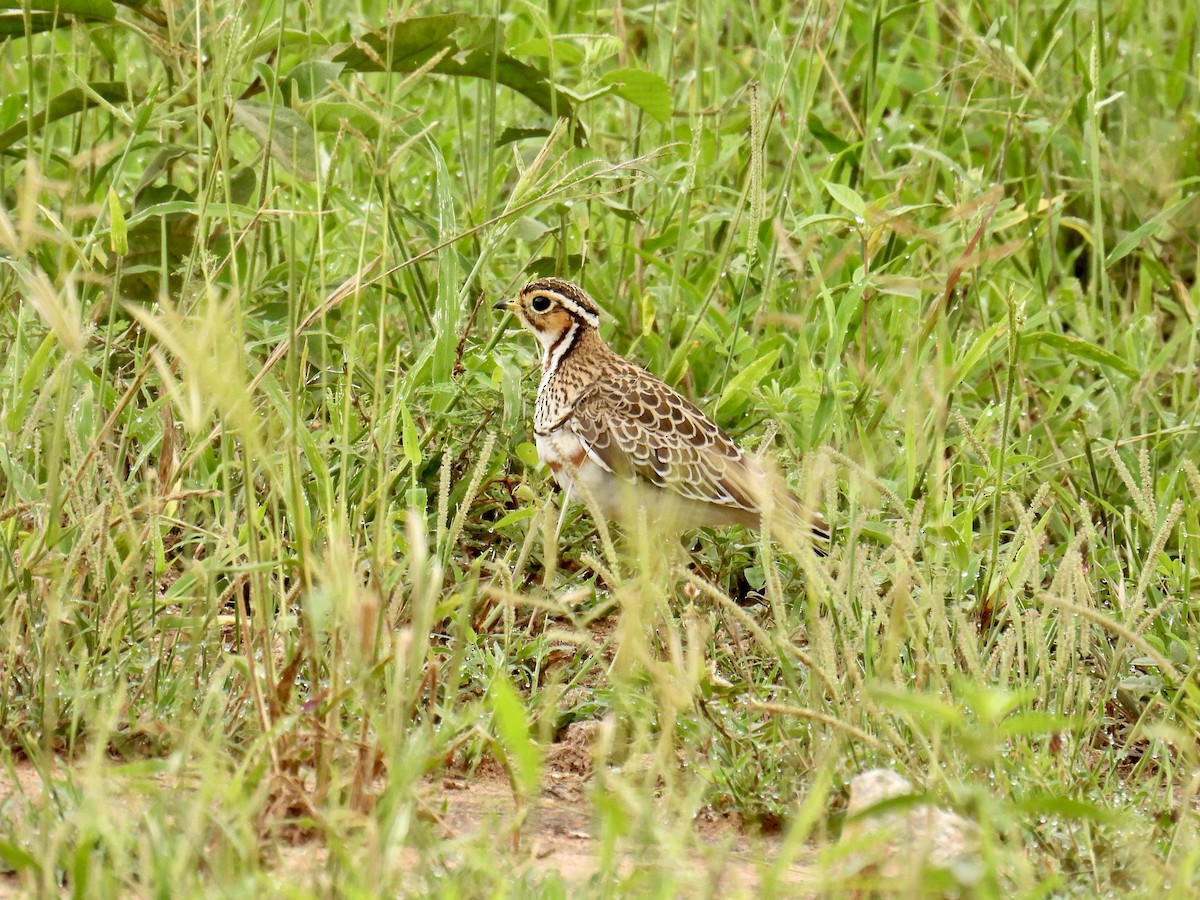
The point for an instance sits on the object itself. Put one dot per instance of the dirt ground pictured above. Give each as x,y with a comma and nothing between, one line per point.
559,829
556,835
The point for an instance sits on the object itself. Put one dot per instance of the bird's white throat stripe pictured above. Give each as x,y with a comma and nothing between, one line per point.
560,348
578,311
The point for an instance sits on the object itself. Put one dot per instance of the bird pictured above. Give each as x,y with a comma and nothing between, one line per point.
611,431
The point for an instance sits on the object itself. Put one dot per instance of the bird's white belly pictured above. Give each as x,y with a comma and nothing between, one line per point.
571,465
618,498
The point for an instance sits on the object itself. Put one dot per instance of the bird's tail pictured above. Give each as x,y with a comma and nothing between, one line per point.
792,520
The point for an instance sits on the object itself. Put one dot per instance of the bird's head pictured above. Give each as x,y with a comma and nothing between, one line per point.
551,307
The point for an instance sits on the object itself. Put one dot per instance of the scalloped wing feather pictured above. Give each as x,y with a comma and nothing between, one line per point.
636,427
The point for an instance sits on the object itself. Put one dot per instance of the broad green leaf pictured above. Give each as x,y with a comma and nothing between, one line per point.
1130,242
562,51
177,208
819,219
597,49
10,108
513,732
1082,349
846,198
292,141
517,515
469,46
647,91
329,115
740,385
526,452
15,24
409,44
17,860
312,77
98,9
304,38
165,155
531,230
849,307
34,376
408,436
118,236
510,135
22,484
828,139
981,347
243,182
65,104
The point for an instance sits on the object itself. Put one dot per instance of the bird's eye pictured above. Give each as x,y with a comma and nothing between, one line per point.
540,304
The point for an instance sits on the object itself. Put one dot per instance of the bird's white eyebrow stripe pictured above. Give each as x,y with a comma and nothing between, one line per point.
575,309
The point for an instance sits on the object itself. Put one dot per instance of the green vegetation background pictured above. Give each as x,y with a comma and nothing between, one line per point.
274,544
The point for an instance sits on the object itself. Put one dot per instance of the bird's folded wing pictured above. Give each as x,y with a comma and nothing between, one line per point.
636,427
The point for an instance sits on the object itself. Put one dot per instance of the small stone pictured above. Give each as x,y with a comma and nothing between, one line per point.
906,840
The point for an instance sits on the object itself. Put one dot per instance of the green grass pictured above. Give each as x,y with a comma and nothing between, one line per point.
274,544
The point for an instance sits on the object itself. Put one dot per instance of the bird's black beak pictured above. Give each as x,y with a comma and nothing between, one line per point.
505,305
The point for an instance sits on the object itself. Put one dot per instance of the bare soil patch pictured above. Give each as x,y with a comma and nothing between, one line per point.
553,834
